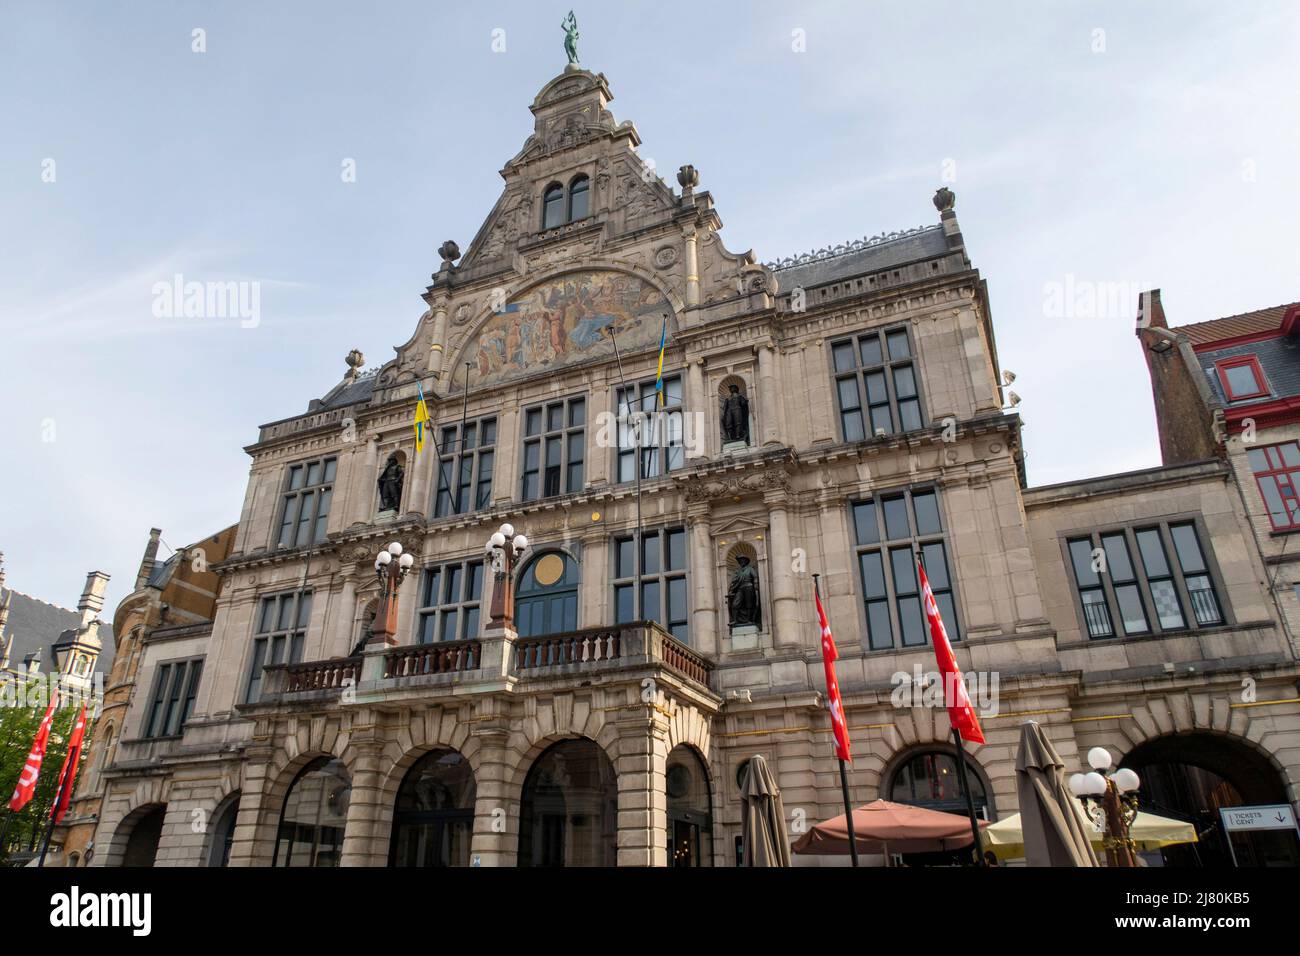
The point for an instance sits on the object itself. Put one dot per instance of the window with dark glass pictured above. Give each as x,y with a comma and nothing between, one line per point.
662,436
546,601
175,689
314,816
555,438
553,206
465,468
1241,378
579,198
1277,472
890,530
876,384
663,580
450,597
1134,581
930,780
281,629
433,818
309,486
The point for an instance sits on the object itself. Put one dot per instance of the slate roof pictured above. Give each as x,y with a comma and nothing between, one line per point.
1231,326
1279,358
36,626
358,390
859,258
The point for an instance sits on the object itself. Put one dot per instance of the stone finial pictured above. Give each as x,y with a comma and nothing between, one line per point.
449,252
944,199
355,360
688,177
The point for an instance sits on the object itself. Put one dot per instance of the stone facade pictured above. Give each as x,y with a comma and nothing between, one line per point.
951,454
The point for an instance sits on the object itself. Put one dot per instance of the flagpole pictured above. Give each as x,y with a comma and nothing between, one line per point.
49,830
970,798
844,774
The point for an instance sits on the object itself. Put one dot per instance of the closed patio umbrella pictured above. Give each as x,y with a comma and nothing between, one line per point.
1051,819
883,827
764,839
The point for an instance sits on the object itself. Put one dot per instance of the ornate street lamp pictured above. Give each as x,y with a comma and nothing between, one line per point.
391,566
503,550
1111,802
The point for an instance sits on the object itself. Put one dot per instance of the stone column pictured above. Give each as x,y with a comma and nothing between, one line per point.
602,434
785,604
698,422
505,470
769,396
436,346
839,573
692,257
594,598
642,787
257,820
363,843
496,810
704,613
821,402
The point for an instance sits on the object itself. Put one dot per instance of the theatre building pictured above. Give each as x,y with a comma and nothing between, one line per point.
833,413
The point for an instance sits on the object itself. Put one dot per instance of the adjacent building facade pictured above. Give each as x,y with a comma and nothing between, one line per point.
839,413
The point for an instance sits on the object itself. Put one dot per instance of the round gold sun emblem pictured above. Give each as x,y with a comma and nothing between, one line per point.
549,569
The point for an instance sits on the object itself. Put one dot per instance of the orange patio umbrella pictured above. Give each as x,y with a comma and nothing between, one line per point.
885,827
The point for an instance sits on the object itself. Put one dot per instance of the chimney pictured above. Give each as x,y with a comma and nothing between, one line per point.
92,598
1151,314
149,559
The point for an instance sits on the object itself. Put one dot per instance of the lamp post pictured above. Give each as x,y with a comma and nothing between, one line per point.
1111,802
391,567
503,550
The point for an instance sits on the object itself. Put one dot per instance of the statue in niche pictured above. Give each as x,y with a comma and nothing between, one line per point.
735,416
742,595
390,485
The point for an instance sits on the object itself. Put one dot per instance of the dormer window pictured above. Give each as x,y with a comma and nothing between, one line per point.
553,206
1241,378
579,198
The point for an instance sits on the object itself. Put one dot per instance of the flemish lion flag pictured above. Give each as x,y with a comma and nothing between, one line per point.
955,698
421,420
26,788
829,656
68,775
659,375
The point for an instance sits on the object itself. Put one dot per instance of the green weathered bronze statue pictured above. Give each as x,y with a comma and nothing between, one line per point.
570,28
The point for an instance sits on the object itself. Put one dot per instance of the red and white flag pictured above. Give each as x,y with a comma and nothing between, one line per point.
26,788
829,656
955,698
68,775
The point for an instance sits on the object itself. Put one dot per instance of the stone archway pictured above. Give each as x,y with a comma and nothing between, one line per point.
144,832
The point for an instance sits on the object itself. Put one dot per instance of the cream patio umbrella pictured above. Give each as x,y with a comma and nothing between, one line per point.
1055,831
1148,830
763,834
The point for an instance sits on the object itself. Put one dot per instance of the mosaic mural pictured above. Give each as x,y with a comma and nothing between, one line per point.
562,322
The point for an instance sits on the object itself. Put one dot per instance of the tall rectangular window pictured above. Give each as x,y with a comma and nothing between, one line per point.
662,433
890,530
450,597
281,629
309,486
663,580
175,689
1146,579
555,439
1277,472
465,468
876,384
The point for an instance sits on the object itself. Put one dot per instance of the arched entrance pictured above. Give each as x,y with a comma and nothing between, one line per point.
314,815
546,600
569,812
433,820
1191,776
223,831
142,844
928,778
690,819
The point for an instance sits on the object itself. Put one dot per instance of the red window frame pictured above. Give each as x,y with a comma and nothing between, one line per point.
1222,367
1286,480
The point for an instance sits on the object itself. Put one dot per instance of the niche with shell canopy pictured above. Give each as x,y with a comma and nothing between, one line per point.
742,615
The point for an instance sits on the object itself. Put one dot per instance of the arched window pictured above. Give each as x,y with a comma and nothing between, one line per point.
142,843
569,813
314,815
433,820
553,206
929,780
579,198
546,601
690,821
223,831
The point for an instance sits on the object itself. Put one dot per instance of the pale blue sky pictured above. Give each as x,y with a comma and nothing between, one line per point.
1167,160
